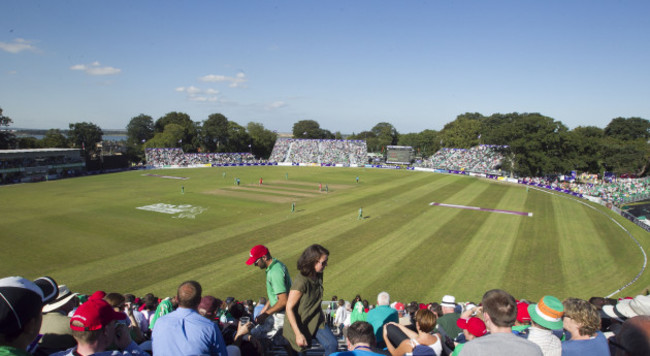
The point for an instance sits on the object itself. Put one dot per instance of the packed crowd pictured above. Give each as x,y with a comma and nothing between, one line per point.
619,191
159,157
347,152
481,159
42,317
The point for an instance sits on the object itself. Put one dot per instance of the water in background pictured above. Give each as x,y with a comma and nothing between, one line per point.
104,137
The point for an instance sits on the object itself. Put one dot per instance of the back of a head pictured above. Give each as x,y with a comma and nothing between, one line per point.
383,298
361,332
189,295
634,336
501,307
116,300
262,301
150,302
426,319
21,301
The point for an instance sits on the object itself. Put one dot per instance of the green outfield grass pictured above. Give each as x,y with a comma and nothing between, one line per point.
88,234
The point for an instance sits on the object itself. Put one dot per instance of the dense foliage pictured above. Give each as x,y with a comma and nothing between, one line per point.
534,144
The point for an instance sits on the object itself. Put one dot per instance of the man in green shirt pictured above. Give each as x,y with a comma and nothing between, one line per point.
278,283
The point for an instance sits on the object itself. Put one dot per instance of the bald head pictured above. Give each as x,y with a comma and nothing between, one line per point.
189,295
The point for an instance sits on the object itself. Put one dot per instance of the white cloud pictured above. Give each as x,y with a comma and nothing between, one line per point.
96,69
276,105
238,81
198,94
18,45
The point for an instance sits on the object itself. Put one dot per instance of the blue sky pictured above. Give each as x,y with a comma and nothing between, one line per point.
346,64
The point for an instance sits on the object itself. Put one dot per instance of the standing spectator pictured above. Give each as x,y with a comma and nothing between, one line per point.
546,316
304,313
341,315
380,316
278,282
500,312
582,321
184,331
20,311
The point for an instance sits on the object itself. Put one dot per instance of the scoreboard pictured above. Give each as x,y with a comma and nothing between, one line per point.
399,154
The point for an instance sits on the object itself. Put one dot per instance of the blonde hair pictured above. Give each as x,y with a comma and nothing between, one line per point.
584,314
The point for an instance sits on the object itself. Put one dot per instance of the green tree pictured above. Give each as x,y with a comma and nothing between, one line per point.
140,129
7,138
632,128
238,138
215,133
425,143
262,140
306,129
386,135
588,141
538,145
191,139
463,132
54,138
85,135
28,142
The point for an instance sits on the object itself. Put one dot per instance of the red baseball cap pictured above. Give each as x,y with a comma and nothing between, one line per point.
399,306
94,315
474,325
257,252
522,312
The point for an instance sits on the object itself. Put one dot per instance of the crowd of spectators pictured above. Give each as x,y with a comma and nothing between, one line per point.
44,318
480,159
618,191
159,157
323,151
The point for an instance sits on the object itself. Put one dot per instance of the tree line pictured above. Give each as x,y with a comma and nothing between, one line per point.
537,145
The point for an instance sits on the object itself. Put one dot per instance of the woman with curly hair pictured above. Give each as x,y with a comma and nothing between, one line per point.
304,315
582,321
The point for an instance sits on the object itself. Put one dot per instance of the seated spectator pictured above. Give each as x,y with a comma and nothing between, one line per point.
184,331
523,317
400,339
447,322
404,318
380,316
582,321
360,341
57,335
546,316
165,307
21,303
499,311
95,328
258,308
238,333
472,327
118,302
633,338
209,307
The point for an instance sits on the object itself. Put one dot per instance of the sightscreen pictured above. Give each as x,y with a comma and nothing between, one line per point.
399,154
